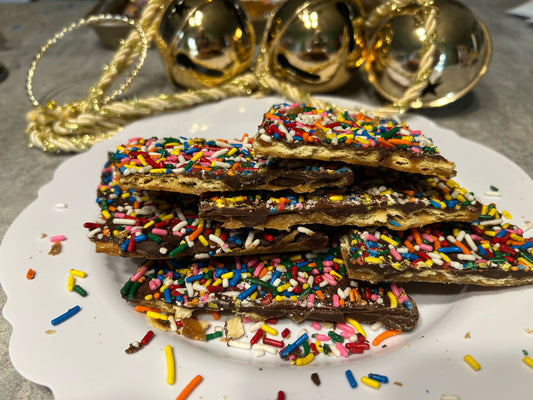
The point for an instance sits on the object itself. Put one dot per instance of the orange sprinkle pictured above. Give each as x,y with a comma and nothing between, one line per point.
112,208
143,309
157,295
385,335
235,166
196,233
136,205
216,316
462,247
410,246
341,302
269,115
30,274
106,231
352,295
244,137
189,388
320,295
263,272
384,142
416,235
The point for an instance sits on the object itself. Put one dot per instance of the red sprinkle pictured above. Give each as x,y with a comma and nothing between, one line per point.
146,339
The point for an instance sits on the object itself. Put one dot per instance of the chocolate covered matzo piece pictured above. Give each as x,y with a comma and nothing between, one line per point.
141,223
199,165
486,252
378,197
295,285
301,131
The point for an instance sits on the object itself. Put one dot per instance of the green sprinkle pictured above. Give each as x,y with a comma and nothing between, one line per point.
82,292
154,237
335,337
179,249
494,188
213,335
126,288
524,352
133,290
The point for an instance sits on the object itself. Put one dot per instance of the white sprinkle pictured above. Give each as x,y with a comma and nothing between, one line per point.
61,206
124,221
265,138
238,344
265,347
376,325
305,230
94,232
497,221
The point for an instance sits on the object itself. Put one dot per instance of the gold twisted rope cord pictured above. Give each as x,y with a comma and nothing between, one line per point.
76,126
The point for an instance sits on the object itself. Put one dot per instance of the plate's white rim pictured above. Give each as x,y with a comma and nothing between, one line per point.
330,373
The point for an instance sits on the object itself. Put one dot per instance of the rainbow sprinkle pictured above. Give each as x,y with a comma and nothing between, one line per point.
160,225
489,247
289,285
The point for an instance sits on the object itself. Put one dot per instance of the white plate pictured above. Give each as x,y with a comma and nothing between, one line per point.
85,358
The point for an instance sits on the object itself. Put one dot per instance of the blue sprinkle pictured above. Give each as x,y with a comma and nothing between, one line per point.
351,379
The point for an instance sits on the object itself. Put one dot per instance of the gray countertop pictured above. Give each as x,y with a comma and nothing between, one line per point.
497,113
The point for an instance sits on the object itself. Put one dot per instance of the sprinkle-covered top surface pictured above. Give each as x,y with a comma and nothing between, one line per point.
162,225
404,198
293,123
229,164
299,285
488,247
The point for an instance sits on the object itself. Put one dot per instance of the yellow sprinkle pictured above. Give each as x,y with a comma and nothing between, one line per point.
393,299
170,365
232,151
370,382
517,238
506,214
356,325
197,156
140,157
78,273
148,224
372,260
218,231
125,195
338,261
525,261
283,287
528,361
166,217
156,315
337,197
158,171
318,346
389,240
269,330
484,209
203,240
218,282
305,360
296,257
70,283
473,363
106,214
227,275
336,275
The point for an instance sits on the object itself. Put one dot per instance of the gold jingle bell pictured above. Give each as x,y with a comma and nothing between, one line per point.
462,52
315,44
204,43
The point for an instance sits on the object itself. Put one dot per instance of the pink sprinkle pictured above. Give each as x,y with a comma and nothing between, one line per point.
415,149
322,337
252,262
373,297
154,284
371,238
394,289
336,302
330,279
245,320
475,237
429,238
342,349
345,335
397,256
57,238
326,263
158,231
140,272
345,327
258,269
426,247
316,325
311,300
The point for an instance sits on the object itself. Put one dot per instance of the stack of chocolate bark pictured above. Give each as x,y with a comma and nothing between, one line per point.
315,217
